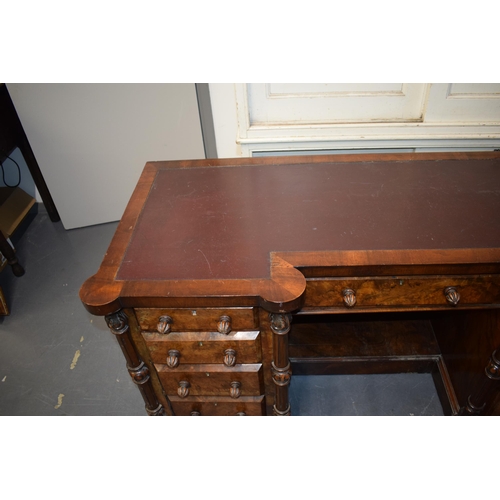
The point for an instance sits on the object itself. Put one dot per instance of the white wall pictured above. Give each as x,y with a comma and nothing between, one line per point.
91,141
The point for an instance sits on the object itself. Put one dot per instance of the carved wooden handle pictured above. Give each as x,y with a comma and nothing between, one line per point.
164,324
235,391
452,295
349,296
173,358
224,325
229,357
183,389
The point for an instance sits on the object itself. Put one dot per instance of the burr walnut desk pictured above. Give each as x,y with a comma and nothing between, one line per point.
226,276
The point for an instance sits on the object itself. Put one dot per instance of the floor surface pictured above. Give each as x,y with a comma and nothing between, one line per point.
57,359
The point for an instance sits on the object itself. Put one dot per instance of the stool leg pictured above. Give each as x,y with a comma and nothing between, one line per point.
10,255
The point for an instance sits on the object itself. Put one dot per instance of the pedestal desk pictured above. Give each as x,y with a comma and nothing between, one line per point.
226,276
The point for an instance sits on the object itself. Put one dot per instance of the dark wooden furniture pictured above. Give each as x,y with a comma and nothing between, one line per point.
10,255
225,277
12,136
16,209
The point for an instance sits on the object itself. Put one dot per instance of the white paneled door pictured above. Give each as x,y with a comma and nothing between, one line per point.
257,118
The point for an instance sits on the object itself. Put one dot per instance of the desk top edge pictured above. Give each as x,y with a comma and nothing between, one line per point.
331,158
102,292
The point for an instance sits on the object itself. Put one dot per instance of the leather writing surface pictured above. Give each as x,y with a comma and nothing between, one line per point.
223,222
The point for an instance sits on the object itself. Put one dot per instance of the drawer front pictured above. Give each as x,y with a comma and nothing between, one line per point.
212,380
445,291
179,348
210,406
208,319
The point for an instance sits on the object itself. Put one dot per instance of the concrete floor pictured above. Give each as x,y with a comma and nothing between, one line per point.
57,359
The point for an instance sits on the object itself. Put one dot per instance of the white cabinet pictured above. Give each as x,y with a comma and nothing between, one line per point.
93,140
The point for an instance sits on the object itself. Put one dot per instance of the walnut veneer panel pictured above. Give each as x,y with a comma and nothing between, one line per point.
403,291
205,347
216,406
197,319
212,380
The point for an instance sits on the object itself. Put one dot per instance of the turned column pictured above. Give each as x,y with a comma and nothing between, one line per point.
477,402
118,324
280,366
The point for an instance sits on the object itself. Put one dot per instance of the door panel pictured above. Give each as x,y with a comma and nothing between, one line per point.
273,103
464,102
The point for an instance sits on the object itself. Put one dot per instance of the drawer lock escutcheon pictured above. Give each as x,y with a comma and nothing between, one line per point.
164,325
452,295
349,296
224,324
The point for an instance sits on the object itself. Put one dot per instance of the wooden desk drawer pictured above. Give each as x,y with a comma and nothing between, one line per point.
213,406
181,320
403,291
212,380
179,348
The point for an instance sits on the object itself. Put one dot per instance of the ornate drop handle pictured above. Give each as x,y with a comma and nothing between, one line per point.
164,325
229,357
183,389
224,324
349,296
195,413
452,295
235,391
173,358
